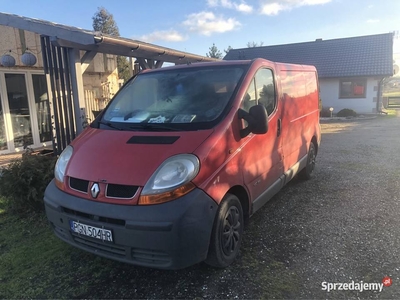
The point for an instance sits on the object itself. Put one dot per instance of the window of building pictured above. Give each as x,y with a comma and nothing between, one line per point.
353,88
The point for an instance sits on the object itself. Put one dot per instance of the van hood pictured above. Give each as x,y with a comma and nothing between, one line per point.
127,157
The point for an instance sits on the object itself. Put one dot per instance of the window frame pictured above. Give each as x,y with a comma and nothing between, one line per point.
353,81
254,83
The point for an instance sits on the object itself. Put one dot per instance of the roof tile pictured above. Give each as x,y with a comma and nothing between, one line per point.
370,55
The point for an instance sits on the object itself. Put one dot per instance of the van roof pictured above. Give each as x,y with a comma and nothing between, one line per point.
280,66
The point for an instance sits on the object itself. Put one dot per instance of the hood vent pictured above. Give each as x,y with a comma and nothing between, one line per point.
153,140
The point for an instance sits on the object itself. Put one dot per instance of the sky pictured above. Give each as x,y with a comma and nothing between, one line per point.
194,25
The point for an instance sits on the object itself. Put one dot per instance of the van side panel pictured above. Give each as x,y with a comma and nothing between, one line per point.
300,113
220,168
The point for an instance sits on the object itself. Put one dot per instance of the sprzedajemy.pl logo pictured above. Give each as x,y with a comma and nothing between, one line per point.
356,286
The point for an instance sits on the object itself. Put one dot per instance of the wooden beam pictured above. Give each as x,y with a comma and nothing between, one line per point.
150,62
78,95
158,64
143,63
70,33
86,59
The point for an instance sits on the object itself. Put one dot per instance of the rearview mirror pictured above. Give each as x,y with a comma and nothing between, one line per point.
257,120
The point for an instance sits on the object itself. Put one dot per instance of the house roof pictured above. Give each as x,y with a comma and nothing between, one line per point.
370,55
73,37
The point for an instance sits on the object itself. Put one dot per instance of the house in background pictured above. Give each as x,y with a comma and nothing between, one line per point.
25,110
350,70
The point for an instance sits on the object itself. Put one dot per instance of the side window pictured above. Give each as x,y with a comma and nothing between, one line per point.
261,91
266,89
250,98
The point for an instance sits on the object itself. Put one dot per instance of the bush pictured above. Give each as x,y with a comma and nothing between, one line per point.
325,112
347,113
23,182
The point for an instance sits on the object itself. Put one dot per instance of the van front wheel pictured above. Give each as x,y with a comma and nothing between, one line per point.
227,233
307,172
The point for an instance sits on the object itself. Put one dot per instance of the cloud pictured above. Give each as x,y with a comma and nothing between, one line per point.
272,8
163,35
207,23
241,6
373,21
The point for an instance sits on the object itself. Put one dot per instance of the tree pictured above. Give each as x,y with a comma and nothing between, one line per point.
254,44
104,22
214,52
228,49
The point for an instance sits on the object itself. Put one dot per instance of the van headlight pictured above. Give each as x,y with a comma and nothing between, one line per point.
61,165
171,180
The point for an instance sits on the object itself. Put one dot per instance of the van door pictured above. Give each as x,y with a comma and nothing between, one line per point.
261,154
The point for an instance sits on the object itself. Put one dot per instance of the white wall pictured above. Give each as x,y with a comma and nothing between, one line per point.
329,93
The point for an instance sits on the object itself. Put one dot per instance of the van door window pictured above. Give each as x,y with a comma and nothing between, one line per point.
250,98
266,89
261,91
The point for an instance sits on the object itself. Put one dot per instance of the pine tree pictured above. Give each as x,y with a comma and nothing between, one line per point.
104,22
214,52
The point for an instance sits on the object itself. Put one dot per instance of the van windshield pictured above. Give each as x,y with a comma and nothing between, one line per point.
180,96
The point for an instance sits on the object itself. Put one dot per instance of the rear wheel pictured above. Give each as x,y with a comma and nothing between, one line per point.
227,233
308,171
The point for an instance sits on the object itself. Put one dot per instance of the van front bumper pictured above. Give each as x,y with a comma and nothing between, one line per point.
171,235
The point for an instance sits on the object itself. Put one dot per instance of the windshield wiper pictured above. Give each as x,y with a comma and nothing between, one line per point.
154,127
110,125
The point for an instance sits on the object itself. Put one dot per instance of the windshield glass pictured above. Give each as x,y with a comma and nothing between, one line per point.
193,95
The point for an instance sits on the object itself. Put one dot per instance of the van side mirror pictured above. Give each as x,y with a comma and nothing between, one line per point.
257,120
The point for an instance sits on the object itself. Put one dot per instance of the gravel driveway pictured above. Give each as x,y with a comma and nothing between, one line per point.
341,226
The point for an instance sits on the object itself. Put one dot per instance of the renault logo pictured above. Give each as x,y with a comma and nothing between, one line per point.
95,190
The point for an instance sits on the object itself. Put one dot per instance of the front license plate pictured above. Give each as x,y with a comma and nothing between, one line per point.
91,231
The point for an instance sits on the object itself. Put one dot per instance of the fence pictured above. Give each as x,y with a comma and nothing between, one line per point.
93,105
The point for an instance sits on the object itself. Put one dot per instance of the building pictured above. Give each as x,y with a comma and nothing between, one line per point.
25,111
53,77
350,70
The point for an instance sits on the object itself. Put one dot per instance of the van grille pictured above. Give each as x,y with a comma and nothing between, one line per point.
118,191
99,247
121,191
79,184
93,217
150,257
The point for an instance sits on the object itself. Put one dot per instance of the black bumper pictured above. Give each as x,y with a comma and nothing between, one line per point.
172,235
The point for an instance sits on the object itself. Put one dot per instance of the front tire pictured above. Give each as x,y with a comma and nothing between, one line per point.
308,171
227,233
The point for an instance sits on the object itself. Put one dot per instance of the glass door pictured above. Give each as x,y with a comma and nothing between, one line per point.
19,109
42,106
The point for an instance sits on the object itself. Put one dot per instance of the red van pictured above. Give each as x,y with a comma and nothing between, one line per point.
167,174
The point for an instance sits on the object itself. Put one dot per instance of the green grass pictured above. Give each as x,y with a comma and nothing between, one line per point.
34,263
392,94
391,112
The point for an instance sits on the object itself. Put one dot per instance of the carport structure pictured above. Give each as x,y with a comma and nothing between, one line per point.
64,65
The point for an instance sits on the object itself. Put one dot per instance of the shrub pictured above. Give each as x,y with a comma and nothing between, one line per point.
347,113
23,182
325,112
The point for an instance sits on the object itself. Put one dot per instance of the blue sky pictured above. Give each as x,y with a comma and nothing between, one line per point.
194,25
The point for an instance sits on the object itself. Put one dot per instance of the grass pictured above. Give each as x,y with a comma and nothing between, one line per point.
392,94
36,264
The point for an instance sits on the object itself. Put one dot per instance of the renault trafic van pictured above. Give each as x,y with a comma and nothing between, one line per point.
169,171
